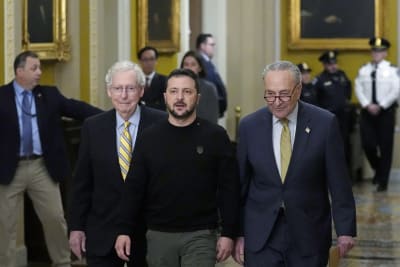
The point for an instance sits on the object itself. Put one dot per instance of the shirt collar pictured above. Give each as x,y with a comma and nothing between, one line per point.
292,117
151,75
206,58
134,119
18,89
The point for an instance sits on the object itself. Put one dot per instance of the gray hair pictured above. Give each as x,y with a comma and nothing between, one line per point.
122,66
283,66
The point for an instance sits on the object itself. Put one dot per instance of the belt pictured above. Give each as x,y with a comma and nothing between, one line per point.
30,157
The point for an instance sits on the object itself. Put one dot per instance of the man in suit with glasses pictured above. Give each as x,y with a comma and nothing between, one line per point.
292,165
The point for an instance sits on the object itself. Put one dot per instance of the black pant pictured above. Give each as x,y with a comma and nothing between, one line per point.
137,258
377,134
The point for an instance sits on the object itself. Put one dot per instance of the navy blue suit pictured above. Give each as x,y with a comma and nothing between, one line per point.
316,170
213,76
51,105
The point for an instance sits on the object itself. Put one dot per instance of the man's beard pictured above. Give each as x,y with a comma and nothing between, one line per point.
185,115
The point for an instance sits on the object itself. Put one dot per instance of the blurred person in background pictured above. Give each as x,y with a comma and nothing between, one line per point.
377,89
308,93
205,45
208,103
155,82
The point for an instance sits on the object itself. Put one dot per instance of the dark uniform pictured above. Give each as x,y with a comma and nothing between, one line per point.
333,89
377,85
308,93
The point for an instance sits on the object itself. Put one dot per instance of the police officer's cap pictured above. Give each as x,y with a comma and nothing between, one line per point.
303,67
379,44
328,57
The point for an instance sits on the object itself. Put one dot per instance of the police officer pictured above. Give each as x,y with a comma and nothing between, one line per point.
308,93
333,90
377,90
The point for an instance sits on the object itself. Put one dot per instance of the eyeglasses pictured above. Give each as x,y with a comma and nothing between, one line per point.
130,90
269,98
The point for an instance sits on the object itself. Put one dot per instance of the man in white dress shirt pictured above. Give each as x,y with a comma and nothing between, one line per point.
377,90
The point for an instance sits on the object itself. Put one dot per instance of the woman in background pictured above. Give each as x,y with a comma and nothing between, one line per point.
208,104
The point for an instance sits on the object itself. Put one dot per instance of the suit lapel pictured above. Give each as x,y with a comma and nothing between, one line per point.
109,145
40,108
142,121
301,138
154,82
8,104
267,143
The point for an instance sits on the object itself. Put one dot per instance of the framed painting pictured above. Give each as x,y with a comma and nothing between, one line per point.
45,29
158,25
339,24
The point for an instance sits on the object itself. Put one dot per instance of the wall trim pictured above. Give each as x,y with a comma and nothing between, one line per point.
124,30
9,39
93,52
277,33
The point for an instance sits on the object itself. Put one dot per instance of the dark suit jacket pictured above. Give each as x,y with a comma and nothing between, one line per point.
51,105
97,184
154,96
317,168
213,76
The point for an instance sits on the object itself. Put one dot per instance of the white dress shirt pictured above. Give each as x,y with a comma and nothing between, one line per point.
387,84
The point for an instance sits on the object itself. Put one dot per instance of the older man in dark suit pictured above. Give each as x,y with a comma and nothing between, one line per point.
33,156
104,158
286,194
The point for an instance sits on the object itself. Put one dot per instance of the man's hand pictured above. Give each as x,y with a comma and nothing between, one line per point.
238,253
345,243
373,109
123,247
224,248
77,241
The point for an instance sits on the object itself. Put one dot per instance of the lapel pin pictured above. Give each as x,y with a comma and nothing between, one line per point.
199,150
39,95
308,130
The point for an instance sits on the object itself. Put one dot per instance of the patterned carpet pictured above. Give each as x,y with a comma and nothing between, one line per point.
378,220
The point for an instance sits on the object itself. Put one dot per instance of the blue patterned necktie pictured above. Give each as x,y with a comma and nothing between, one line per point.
27,142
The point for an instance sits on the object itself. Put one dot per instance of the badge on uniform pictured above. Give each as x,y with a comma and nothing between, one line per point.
308,130
200,150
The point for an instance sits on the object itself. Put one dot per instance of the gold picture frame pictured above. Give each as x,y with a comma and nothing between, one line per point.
45,29
159,24
297,19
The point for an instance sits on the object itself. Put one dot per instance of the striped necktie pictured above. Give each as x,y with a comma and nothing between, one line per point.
125,150
286,148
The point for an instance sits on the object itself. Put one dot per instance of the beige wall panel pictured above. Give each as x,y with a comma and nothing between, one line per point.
250,46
